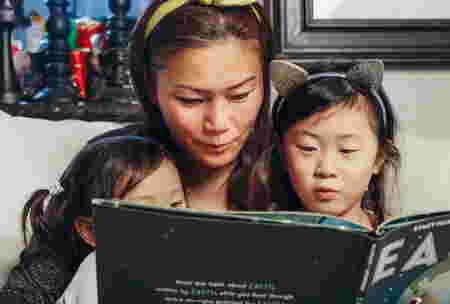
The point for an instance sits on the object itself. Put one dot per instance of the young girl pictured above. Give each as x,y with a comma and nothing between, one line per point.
337,141
125,167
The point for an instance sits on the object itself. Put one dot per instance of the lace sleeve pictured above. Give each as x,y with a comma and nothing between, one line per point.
39,278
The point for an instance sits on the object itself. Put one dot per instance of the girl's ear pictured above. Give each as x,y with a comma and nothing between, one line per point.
84,226
379,163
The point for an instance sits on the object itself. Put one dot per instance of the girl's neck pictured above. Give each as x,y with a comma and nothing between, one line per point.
206,188
361,217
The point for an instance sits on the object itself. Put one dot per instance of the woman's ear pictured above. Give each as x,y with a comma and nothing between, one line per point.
84,225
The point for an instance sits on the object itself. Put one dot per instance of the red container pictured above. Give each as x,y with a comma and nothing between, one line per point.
78,61
87,30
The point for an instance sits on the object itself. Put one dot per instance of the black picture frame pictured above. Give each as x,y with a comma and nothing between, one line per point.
300,37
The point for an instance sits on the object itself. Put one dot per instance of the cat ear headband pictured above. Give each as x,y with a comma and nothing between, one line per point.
365,76
171,5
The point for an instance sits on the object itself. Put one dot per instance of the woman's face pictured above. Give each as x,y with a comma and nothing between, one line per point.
331,157
210,98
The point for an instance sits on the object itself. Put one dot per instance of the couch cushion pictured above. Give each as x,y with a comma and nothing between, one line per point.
33,154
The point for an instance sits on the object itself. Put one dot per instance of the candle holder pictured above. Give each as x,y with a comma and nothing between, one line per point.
114,59
60,88
119,24
9,86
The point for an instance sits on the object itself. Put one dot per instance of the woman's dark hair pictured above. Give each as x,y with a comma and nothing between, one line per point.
316,96
198,26
107,168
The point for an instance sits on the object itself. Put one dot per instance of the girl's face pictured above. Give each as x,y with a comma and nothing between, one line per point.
162,187
210,98
330,158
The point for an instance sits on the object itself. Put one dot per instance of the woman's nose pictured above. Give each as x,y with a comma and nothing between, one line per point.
216,117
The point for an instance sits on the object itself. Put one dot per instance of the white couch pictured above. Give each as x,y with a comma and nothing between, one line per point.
35,151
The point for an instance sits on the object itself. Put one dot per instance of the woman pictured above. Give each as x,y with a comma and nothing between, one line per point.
201,74
200,71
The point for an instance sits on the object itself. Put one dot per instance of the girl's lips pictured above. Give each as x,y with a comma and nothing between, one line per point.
326,194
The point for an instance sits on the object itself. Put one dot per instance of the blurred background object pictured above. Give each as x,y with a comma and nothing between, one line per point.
9,87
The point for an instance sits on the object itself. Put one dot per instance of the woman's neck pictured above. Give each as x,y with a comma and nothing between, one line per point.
206,188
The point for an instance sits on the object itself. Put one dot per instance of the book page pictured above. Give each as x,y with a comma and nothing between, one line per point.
431,287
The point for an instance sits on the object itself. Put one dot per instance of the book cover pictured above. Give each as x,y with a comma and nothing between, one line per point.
184,256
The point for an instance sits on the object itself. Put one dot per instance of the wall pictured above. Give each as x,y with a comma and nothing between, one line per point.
421,98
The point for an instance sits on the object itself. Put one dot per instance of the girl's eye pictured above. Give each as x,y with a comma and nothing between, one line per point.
348,151
189,101
240,98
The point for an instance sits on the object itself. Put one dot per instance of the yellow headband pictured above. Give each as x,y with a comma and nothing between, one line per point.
171,5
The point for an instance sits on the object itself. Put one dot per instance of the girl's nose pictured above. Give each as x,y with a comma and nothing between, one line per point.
326,167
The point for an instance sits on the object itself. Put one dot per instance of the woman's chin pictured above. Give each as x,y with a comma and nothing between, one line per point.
216,161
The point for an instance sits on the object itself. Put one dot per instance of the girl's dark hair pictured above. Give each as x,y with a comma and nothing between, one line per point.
107,168
316,96
199,26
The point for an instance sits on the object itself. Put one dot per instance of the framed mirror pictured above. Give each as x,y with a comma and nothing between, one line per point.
416,32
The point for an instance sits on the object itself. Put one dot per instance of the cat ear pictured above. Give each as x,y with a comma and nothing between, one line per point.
286,76
367,74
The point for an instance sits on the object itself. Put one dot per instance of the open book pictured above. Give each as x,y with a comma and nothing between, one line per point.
185,256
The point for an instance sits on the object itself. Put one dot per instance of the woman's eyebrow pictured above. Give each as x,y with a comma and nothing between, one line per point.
203,91
251,78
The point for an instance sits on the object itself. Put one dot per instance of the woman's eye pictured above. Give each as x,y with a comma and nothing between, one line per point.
240,98
307,148
189,101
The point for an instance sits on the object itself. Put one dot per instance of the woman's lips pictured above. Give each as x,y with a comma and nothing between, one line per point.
219,148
